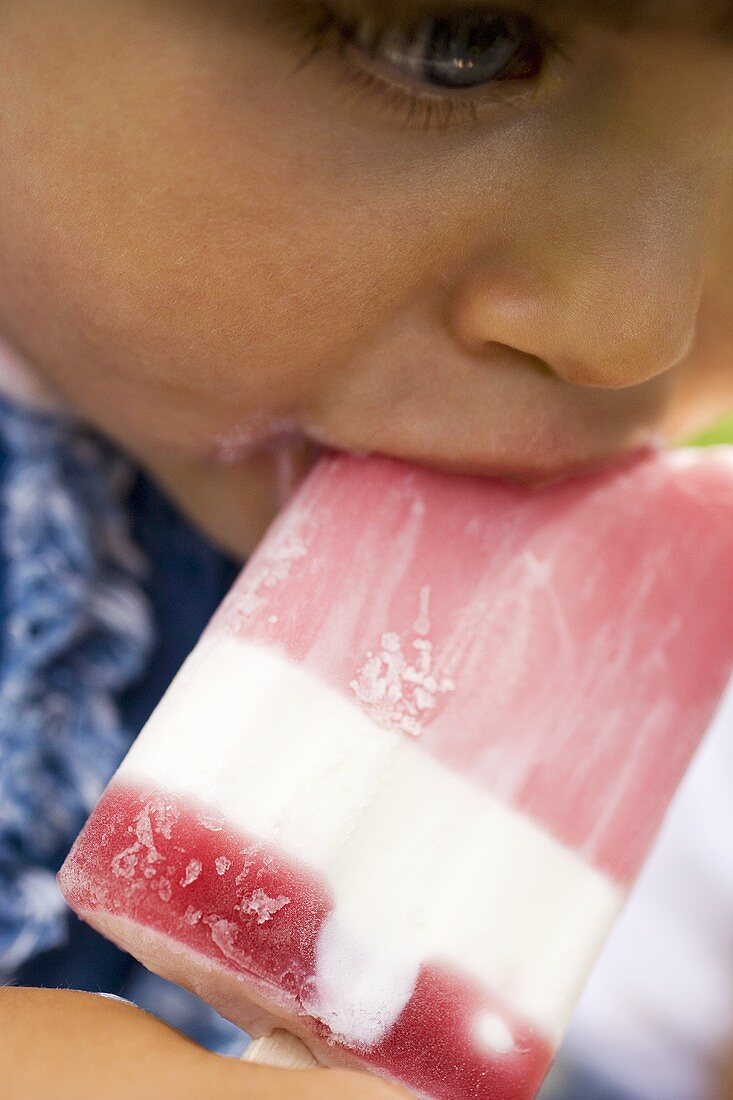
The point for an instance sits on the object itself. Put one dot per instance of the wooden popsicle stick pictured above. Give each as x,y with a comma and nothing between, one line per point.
280,1049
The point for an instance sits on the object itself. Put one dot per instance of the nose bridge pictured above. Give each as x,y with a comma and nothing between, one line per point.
606,296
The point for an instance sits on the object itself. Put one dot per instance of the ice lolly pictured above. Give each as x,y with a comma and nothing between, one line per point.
394,799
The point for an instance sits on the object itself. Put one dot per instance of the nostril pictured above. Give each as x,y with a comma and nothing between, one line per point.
541,366
498,354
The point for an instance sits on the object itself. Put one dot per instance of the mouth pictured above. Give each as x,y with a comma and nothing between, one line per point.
289,451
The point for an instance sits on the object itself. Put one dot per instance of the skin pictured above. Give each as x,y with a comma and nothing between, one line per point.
224,264
212,257
76,1046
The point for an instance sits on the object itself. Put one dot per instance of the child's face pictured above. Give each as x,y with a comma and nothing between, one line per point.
209,252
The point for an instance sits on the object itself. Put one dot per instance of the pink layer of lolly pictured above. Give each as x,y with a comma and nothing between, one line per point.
173,867
564,647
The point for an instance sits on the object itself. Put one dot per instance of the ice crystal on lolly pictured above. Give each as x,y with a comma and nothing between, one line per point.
266,573
263,906
401,690
193,870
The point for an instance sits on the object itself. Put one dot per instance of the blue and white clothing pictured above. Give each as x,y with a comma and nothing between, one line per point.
103,591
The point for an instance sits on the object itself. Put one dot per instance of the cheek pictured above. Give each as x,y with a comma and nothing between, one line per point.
189,221
194,226
166,237
185,266
204,238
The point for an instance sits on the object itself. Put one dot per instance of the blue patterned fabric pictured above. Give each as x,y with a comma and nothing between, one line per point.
75,630
103,590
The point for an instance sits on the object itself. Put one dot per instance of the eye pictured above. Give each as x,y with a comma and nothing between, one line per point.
458,50
433,67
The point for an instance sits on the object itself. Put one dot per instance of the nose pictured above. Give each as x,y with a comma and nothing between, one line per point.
594,313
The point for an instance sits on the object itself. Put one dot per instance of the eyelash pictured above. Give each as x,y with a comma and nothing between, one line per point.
321,30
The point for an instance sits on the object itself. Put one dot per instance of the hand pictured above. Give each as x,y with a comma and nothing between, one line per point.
77,1046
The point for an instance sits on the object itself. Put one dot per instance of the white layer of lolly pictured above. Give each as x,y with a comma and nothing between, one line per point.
422,866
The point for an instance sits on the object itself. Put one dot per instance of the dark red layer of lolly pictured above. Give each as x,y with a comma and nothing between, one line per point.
172,867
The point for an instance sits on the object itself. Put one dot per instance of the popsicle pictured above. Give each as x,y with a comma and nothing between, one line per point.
394,799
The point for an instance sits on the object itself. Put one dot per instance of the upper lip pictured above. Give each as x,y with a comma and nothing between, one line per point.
279,435
531,476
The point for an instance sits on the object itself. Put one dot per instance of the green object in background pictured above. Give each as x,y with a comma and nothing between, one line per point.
720,433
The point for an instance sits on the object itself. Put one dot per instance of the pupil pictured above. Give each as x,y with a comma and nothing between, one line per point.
460,51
